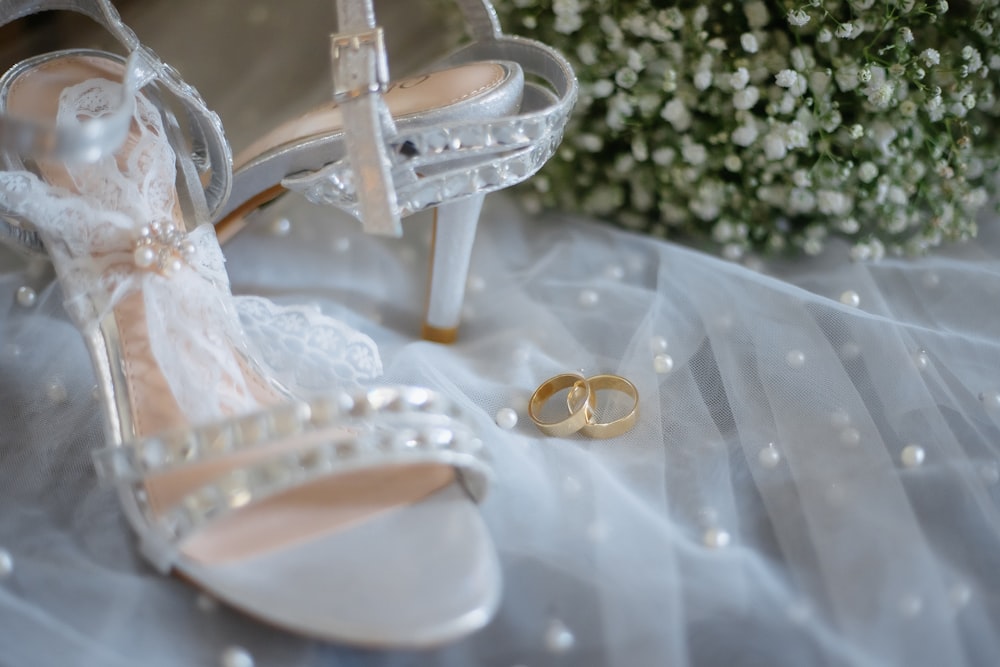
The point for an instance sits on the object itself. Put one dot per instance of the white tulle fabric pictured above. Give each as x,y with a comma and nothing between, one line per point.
839,554
197,329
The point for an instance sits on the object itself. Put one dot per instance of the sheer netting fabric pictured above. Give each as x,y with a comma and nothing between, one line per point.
814,477
96,220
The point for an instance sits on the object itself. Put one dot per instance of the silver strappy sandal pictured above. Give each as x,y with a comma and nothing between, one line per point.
488,117
346,516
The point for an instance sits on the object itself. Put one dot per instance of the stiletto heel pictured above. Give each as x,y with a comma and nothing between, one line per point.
487,118
451,252
344,515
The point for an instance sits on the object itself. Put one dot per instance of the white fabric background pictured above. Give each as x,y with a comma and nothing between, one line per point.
839,554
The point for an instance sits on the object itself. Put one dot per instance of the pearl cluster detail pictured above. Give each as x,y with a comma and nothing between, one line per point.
162,248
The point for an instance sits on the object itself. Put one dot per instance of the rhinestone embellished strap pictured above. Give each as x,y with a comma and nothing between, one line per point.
440,163
381,427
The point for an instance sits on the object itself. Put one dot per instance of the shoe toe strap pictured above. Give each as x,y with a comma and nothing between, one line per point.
328,437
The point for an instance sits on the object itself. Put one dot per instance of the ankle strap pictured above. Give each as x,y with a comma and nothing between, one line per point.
101,136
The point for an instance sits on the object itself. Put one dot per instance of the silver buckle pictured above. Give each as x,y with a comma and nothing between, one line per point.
360,64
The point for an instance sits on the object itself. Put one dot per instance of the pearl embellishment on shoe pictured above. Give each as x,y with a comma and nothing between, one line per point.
162,248
26,296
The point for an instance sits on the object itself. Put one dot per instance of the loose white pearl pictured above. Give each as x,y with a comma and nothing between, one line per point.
990,399
663,363
56,391
236,656
658,344
475,283
281,227
558,638
850,298
144,256
795,358
715,538
922,360
6,564
506,418
912,456
26,296
769,456
850,436
588,298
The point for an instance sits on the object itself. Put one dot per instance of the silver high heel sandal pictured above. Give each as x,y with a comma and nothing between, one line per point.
346,516
487,118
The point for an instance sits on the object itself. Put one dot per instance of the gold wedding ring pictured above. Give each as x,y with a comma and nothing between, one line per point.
577,417
581,402
602,430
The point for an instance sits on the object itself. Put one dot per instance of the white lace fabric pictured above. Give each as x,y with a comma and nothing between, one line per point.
197,329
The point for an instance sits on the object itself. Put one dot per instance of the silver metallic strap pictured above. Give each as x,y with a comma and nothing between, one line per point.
336,434
97,137
360,76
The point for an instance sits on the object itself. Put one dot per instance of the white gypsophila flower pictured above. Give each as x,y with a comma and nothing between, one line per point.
656,145
739,79
786,78
798,17
746,98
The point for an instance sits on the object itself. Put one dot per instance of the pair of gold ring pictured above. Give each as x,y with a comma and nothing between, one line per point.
581,401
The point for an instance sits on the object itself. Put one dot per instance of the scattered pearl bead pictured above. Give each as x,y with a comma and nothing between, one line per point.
342,244
959,595
236,656
280,227
506,418
614,272
912,456
795,358
206,603
558,638
715,538
910,605
56,391
26,296
144,257
990,399
769,456
475,283
588,298
6,564
850,436
658,344
850,298
663,363
922,360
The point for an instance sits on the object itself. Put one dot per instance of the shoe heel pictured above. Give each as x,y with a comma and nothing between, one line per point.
451,250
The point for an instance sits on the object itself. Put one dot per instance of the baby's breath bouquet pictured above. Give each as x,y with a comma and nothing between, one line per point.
772,125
